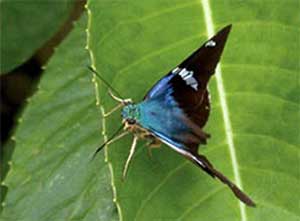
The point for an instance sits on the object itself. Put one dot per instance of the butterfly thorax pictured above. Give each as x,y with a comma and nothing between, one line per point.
131,115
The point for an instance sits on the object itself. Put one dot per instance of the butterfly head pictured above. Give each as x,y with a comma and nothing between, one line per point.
131,113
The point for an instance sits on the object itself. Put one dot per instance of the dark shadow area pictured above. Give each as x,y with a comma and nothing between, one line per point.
21,83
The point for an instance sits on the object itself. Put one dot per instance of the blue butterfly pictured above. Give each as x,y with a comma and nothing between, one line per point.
176,108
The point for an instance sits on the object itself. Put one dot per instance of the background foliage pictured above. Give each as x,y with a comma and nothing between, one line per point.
52,176
132,44
26,26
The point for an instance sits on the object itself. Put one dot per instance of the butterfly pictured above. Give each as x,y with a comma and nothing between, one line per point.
175,110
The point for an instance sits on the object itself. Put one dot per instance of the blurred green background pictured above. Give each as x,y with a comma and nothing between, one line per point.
52,107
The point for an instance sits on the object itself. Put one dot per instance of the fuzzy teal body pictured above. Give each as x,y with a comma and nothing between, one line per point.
177,108
161,116
131,113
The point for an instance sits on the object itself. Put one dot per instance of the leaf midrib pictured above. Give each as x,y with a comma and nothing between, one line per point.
103,132
224,107
222,95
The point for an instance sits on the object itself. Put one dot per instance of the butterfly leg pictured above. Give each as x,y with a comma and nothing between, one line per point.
120,100
132,150
110,142
154,144
113,110
118,137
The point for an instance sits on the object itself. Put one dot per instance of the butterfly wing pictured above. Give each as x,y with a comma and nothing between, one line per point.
163,117
202,63
206,165
187,83
177,107
183,98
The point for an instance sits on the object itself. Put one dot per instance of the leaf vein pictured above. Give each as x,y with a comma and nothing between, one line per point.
260,94
275,173
143,19
265,66
286,144
201,200
157,188
226,117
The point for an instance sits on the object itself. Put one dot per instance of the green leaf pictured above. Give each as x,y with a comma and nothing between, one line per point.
52,174
26,26
255,105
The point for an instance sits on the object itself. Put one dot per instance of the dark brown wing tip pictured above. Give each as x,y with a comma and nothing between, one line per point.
228,27
243,197
221,36
225,30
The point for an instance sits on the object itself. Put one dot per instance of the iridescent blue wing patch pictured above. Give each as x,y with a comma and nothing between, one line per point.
177,107
187,83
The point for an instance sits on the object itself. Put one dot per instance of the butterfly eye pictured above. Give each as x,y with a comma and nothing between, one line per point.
131,121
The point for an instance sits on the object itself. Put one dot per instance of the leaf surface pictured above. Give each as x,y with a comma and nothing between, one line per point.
26,26
255,105
52,175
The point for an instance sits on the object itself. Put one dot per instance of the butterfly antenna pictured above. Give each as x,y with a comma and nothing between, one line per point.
104,81
110,140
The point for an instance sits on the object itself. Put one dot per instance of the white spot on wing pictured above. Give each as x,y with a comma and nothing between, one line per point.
187,76
175,70
210,44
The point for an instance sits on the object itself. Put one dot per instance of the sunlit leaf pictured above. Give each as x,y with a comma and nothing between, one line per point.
134,43
52,174
26,26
